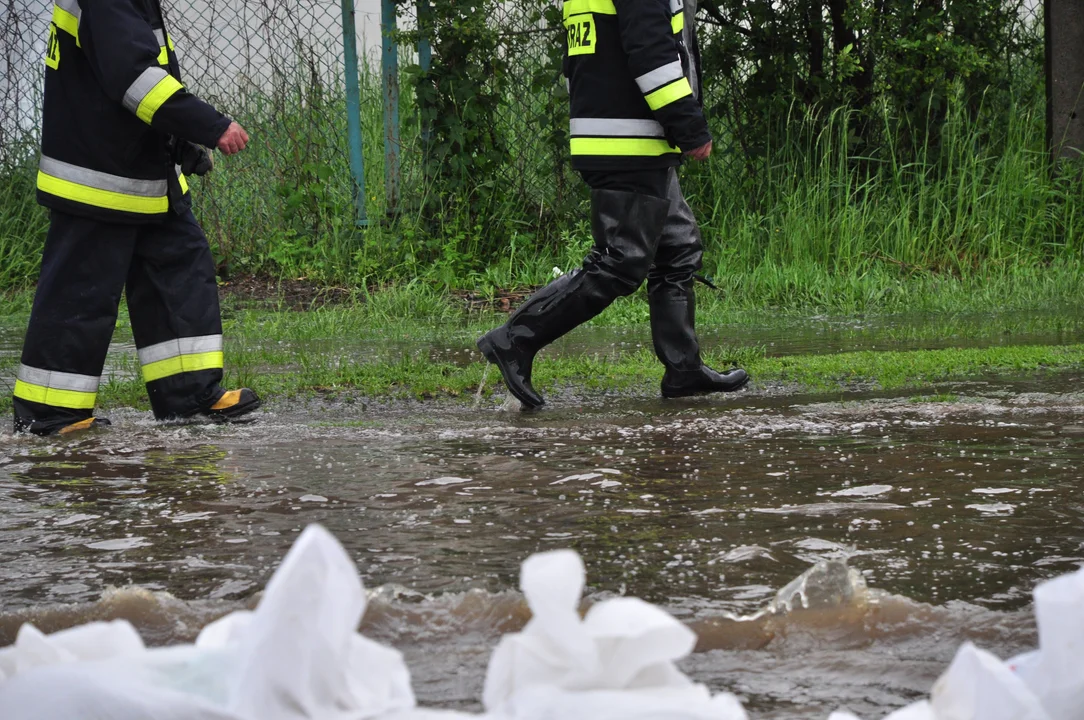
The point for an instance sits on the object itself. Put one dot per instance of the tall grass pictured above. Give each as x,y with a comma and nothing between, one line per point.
816,223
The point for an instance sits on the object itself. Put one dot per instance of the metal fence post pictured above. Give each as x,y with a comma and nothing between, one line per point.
353,112
1064,78
425,48
390,66
425,56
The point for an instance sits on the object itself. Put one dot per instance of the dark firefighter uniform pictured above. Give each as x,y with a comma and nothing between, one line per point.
633,113
115,121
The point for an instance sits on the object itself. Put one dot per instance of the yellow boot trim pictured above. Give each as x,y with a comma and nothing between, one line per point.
76,427
228,400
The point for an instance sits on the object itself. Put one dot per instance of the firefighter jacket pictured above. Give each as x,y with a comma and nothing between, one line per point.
114,105
632,106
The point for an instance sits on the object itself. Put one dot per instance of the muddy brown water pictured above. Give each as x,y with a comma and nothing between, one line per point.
948,513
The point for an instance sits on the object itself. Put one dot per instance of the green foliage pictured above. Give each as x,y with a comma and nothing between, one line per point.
23,223
902,58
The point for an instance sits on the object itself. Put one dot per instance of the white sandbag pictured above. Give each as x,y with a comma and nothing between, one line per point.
226,631
1055,673
617,662
88,691
978,686
299,655
94,641
433,714
843,715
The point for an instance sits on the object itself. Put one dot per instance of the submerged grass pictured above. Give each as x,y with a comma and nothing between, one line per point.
286,355
420,377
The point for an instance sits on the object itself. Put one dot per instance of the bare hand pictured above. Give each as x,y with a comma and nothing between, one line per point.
700,153
233,140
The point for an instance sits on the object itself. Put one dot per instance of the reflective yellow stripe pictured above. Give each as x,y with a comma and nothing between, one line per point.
669,93
52,396
163,56
102,198
181,364
166,88
184,183
636,147
66,22
579,7
678,22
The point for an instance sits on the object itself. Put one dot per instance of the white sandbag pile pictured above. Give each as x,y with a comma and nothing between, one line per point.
1047,684
299,657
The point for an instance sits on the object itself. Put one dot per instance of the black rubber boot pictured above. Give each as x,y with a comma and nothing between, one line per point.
626,228
45,429
233,405
673,333
673,306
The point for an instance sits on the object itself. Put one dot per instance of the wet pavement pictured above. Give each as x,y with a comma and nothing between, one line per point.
947,511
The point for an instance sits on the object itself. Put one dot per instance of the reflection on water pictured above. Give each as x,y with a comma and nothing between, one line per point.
946,515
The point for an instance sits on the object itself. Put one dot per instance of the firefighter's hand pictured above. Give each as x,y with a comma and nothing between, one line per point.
233,140
700,153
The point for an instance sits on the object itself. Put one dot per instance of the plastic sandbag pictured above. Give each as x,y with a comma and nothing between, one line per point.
978,686
90,691
297,657
843,715
94,641
1055,673
618,662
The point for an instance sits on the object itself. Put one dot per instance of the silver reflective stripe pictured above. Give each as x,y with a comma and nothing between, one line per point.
58,380
660,76
611,127
676,6
70,6
181,346
142,86
160,36
103,181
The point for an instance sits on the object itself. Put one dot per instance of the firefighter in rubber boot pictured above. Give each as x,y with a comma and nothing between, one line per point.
633,115
119,131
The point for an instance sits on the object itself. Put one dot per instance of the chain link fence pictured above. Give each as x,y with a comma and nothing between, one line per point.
277,67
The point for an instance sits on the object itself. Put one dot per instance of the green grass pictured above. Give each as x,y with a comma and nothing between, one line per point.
381,350
818,224
287,375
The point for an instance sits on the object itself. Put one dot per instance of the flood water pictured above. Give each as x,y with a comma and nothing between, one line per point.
948,512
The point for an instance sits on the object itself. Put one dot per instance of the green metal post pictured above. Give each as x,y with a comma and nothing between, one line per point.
353,112
425,47
390,66
425,52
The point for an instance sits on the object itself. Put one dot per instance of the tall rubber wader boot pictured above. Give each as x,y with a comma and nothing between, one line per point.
673,306
626,228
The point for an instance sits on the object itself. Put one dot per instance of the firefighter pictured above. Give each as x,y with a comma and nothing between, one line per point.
633,115
119,132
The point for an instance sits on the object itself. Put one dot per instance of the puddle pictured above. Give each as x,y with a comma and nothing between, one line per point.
946,514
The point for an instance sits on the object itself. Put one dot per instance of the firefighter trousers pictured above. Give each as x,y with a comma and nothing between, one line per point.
680,250
168,275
